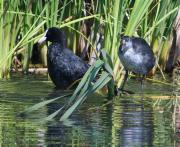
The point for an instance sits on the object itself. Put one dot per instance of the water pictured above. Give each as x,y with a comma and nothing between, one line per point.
124,121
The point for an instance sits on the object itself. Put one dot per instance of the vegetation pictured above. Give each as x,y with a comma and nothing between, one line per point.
22,23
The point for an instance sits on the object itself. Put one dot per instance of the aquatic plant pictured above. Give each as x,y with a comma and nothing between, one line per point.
89,84
21,25
18,28
114,17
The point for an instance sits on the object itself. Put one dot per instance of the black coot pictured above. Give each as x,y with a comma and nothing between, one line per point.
64,66
135,55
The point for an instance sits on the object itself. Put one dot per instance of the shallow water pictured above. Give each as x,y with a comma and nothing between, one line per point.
124,121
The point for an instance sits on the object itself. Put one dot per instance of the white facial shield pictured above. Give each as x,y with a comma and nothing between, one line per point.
43,39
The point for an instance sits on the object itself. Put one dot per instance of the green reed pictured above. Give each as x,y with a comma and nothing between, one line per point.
149,19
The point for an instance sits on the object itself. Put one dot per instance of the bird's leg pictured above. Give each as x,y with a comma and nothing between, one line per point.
121,89
125,79
142,86
142,82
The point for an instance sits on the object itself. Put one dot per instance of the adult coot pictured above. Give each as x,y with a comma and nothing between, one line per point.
136,56
64,66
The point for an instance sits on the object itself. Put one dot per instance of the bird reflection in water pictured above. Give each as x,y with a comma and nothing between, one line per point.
137,125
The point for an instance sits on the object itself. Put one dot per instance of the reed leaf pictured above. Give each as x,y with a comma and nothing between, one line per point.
77,20
42,104
101,82
69,111
51,116
10,53
86,79
139,10
162,19
108,65
5,58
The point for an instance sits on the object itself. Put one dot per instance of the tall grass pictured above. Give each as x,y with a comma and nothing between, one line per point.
161,31
116,17
83,20
18,25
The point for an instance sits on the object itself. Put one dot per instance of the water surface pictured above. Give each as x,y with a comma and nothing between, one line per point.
125,121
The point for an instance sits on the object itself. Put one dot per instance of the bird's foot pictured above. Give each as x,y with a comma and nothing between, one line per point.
120,91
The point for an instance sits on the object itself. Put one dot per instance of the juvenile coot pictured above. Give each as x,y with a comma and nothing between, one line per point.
64,66
136,56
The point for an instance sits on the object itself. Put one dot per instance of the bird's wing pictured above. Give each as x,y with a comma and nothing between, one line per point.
72,66
143,47
140,45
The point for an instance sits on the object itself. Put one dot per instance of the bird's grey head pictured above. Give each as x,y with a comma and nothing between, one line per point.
54,35
125,43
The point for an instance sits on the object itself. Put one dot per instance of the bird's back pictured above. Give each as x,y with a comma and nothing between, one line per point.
144,49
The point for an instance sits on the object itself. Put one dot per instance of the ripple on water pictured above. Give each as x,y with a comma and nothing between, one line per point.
126,121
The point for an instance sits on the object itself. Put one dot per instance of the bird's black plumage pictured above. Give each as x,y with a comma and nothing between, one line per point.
136,55
64,66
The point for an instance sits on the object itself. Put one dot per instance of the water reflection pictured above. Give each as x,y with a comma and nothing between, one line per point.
124,122
84,128
137,124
